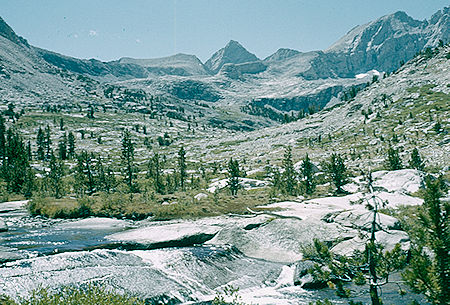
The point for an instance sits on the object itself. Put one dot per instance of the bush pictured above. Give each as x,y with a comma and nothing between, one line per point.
89,295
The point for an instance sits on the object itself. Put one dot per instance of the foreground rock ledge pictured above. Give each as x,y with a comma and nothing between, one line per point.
170,235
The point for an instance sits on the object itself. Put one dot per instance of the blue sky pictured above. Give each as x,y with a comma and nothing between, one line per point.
110,29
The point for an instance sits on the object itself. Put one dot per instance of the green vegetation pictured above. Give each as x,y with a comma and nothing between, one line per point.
429,274
337,171
233,176
74,296
393,161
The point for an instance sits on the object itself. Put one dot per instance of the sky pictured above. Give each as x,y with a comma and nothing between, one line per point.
111,29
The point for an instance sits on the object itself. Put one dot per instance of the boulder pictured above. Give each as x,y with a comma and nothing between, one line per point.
12,206
403,180
304,279
387,239
200,196
8,255
95,223
166,235
362,220
301,270
3,226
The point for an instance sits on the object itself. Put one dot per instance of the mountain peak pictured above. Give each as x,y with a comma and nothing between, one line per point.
282,54
7,32
232,53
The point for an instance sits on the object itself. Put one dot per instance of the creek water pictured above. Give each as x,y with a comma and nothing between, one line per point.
55,253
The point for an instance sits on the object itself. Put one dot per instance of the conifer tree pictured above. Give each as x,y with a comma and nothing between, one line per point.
85,181
289,175
337,171
182,167
29,153
393,159
128,161
155,172
416,161
48,143
308,183
106,180
71,145
2,137
430,274
40,143
90,114
233,176
62,147
55,177
16,167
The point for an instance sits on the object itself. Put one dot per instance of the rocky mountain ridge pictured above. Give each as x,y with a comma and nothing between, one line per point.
233,77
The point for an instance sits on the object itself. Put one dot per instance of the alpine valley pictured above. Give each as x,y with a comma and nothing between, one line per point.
234,181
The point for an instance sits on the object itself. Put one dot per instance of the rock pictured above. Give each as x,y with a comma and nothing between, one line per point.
95,223
362,219
12,206
3,226
245,183
200,196
166,235
387,239
301,270
403,180
8,255
278,240
304,279
315,167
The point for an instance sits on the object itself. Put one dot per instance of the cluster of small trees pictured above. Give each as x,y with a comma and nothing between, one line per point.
291,182
15,166
394,162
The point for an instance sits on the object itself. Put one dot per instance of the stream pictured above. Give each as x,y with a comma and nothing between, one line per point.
38,252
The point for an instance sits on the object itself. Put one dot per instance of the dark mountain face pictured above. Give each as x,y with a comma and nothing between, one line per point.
232,53
7,32
380,45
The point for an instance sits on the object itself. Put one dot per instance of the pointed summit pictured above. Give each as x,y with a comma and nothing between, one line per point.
7,32
232,53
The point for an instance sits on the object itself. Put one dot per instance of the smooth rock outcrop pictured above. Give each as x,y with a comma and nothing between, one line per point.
403,180
387,239
170,235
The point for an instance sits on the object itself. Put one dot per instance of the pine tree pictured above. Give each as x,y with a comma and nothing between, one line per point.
128,161
2,137
48,143
105,180
337,171
55,177
155,172
62,147
40,143
182,167
233,176
71,145
16,167
416,161
393,159
427,274
307,174
29,152
90,114
84,176
289,175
